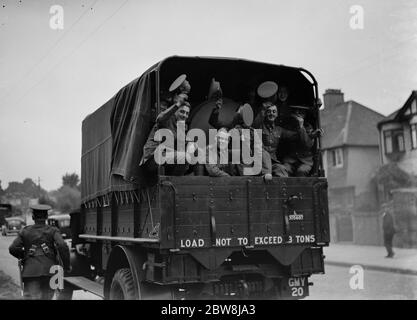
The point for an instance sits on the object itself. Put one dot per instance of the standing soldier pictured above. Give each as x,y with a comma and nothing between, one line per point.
38,246
388,226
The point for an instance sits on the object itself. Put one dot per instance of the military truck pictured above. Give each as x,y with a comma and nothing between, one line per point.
194,236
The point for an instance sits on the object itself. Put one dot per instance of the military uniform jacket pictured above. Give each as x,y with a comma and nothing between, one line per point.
217,169
166,119
236,123
36,262
301,150
388,223
272,135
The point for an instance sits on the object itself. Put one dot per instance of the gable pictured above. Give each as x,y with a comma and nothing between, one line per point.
409,108
350,123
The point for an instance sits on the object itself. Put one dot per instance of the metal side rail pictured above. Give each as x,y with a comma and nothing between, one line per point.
86,284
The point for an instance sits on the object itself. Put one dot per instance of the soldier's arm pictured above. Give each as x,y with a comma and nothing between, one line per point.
289,134
257,122
212,167
17,248
214,171
305,138
165,115
215,122
301,135
63,249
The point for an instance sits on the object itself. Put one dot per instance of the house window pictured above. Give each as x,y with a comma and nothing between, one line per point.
337,157
414,107
413,130
394,141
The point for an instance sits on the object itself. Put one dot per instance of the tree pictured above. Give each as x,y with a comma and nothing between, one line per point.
27,188
2,192
68,198
31,189
70,180
45,199
390,177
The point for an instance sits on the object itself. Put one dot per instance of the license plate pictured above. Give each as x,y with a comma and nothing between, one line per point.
294,288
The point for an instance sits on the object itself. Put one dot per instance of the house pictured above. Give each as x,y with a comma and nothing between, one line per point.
398,136
398,141
351,156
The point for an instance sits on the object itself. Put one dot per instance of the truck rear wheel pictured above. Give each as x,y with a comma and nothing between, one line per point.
65,294
123,286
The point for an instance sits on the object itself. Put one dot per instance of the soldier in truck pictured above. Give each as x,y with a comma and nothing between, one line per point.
241,124
218,161
173,118
298,160
271,136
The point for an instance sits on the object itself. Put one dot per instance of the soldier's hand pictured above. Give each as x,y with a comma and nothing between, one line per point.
317,133
299,119
219,103
192,147
180,99
69,270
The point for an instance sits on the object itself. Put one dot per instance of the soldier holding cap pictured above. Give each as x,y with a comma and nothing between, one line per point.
267,91
271,137
179,88
38,246
299,158
242,119
176,114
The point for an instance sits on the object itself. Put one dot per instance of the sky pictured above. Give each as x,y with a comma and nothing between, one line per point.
51,79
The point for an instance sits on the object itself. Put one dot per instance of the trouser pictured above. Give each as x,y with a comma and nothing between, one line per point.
297,169
253,170
388,237
37,288
272,166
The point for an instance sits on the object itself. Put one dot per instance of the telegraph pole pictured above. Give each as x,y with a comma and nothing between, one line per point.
39,186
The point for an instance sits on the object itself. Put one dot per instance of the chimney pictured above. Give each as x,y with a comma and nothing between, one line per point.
332,97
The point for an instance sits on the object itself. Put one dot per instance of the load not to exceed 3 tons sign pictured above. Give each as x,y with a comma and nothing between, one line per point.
243,241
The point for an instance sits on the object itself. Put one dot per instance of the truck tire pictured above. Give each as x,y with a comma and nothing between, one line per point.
65,294
122,286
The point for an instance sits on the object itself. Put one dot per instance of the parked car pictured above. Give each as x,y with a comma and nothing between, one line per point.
13,225
5,211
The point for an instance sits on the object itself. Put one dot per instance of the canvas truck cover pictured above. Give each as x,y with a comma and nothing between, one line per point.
112,141
113,136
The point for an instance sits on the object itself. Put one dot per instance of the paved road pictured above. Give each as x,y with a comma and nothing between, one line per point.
332,285
377,285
